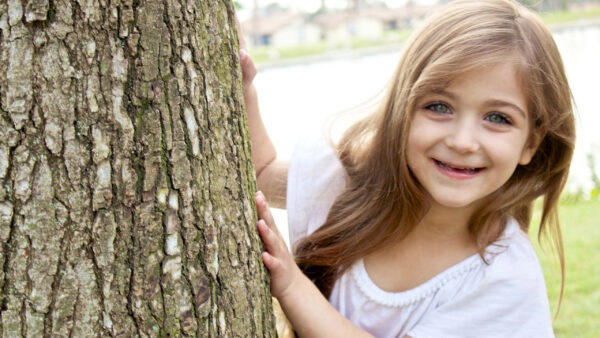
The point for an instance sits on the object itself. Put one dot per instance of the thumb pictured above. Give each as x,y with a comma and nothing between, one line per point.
248,67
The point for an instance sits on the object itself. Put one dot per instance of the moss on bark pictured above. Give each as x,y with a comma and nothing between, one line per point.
125,177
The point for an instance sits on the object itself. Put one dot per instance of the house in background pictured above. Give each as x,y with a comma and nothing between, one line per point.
340,26
276,26
281,29
368,22
400,18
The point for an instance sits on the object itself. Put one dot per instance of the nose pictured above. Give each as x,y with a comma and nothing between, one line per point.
463,136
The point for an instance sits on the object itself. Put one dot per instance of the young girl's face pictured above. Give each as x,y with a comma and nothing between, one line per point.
466,140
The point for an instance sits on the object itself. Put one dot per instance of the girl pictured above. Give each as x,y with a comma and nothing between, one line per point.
414,223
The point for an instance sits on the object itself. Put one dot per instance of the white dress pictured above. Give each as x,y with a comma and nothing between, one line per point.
505,298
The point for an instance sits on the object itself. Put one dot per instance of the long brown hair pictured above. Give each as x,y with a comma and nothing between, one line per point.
382,201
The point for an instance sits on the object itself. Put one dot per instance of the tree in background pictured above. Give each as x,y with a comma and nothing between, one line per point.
547,5
126,185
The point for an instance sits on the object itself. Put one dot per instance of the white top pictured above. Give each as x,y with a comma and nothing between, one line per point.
506,298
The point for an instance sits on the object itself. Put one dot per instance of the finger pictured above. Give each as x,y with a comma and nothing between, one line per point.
270,239
241,38
264,212
270,262
273,242
248,67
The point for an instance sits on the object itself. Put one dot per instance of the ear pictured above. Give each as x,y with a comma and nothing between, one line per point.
530,149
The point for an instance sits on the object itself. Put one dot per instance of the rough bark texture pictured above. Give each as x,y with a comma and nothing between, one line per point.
125,172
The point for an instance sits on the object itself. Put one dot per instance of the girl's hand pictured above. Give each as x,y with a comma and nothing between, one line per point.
270,178
277,258
248,70
309,312
248,66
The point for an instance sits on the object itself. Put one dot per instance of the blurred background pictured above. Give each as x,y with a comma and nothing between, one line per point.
321,60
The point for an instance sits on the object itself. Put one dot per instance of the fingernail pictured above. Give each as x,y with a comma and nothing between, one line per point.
243,54
260,196
261,223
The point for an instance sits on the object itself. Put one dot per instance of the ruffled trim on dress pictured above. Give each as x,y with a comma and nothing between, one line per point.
417,294
414,295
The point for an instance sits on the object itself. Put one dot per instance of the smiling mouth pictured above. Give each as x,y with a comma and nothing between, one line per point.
455,169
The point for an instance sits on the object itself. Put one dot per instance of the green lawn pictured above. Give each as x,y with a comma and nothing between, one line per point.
552,18
263,55
269,53
579,314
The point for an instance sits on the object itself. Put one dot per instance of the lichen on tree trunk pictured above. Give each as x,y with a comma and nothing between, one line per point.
125,174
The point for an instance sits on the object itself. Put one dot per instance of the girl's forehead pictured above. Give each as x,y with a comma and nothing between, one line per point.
510,65
489,71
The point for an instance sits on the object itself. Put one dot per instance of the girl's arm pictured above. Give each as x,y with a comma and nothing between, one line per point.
309,312
271,174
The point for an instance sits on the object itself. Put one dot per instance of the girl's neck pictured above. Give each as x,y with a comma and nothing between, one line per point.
438,242
445,223
444,228
442,231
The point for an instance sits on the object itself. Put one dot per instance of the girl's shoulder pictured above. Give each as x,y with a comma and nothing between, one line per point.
505,296
513,256
315,179
510,269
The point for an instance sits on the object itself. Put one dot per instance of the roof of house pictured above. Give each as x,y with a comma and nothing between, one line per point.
331,19
269,24
265,25
398,13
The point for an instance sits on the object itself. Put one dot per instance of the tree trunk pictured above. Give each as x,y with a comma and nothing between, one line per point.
126,185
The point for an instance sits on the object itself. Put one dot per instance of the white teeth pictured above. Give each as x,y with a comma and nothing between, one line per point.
465,169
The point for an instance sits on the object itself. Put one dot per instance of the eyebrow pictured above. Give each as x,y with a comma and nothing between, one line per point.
500,103
491,102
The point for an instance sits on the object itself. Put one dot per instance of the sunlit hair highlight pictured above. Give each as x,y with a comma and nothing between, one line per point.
383,202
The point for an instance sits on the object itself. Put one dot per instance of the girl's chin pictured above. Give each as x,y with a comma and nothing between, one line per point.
451,202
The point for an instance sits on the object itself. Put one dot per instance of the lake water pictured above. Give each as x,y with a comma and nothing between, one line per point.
298,99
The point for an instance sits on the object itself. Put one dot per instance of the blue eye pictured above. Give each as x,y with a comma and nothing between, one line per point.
498,118
438,108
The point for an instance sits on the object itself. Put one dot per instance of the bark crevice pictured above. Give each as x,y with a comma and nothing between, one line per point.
127,172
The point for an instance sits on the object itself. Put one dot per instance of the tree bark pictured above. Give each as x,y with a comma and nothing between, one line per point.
126,188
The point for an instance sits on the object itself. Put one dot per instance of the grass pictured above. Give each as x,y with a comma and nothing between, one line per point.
269,53
580,308
262,55
553,18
